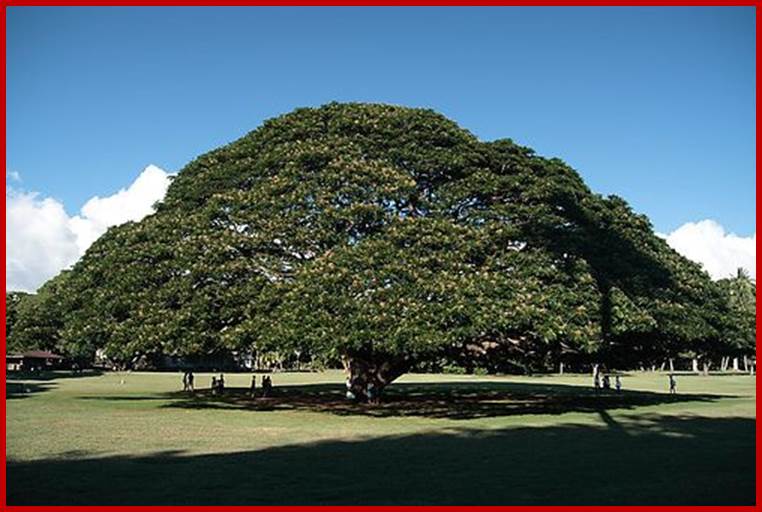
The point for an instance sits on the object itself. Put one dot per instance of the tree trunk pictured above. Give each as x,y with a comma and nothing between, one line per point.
695,365
707,364
735,364
367,378
663,364
745,364
671,365
561,368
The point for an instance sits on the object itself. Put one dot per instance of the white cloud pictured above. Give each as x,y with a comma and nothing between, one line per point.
132,203
720,253
38,240
42,240
12,176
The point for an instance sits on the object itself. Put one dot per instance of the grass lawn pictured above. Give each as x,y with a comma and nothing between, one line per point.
135,438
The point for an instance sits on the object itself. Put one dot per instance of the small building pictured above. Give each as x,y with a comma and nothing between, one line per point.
34,360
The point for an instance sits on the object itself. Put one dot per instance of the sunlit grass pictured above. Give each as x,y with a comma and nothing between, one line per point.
79,434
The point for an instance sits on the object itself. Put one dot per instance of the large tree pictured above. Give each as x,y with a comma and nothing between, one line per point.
383,237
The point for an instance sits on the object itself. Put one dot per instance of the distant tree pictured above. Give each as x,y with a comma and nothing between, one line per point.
13,301
741,325
38,318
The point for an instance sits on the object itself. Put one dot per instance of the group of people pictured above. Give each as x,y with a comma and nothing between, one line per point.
218,384
267,385
188,380
603,381
371,393
600,381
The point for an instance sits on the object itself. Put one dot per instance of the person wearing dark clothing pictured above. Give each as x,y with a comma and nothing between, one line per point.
267,385
370,391
253,388
672,384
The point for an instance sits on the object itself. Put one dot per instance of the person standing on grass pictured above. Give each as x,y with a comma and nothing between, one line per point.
185,380
606,382
221,383
253,388
370,392
214,385
672,384
266,385
618,384
190,380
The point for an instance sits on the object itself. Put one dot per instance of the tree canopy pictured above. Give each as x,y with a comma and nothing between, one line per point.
741,324
386,237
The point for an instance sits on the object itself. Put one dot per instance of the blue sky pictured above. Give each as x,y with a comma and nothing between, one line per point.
654,104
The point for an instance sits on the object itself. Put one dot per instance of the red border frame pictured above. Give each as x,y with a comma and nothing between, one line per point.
383,3
305,3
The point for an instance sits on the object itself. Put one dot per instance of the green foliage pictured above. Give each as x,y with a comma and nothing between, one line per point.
741,295
424,287
36,321
384,234
13,301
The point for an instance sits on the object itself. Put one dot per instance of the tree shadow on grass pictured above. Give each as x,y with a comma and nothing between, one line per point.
52,375
461,401
645,459
25,384
18,390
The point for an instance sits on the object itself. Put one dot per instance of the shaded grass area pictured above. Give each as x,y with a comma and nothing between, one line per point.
457,401
25,384
438,440
645,462
17,390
